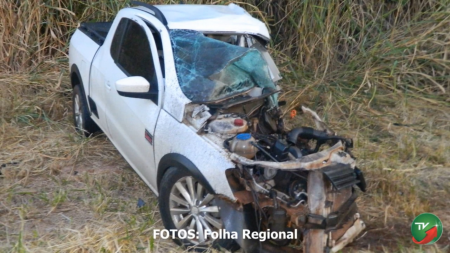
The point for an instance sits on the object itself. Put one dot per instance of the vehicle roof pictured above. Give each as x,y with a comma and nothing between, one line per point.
213,18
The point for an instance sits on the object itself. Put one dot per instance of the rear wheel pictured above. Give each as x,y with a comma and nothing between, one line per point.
81,116
185,204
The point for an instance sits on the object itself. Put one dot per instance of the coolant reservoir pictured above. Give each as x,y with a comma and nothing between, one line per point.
241,145
228,124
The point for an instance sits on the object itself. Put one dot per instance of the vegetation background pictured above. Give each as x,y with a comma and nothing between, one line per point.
378,70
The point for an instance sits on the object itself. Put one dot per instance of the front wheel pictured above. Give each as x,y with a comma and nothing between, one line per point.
185,204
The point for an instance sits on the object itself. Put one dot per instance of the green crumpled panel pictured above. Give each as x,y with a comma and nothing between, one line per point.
210,69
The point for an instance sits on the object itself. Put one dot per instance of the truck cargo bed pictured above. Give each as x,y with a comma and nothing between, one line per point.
97,31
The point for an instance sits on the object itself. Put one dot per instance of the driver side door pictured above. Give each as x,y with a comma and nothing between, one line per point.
132,120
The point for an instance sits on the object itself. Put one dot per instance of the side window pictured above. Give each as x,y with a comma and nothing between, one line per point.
131,52
117,39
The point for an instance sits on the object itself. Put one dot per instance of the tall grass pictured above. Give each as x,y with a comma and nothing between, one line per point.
398,45
35,31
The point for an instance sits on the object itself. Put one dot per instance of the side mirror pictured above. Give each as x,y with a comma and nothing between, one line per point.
134,87
133,84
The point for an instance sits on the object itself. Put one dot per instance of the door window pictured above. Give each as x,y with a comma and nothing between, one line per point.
117,39
131,51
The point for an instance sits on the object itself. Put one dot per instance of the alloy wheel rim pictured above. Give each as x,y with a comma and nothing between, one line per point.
193,208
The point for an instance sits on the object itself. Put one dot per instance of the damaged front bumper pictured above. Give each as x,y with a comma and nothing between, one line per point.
351,233
333,155
326,222
241,218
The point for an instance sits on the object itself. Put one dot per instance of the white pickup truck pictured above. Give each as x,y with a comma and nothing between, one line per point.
188,95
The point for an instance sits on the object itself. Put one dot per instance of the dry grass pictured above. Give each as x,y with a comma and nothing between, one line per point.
402,144
376,70
60,192
34,31
63,193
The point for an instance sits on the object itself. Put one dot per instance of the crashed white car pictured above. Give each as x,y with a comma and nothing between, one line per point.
188,95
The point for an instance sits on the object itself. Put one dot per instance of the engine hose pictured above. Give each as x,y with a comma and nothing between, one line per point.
306,133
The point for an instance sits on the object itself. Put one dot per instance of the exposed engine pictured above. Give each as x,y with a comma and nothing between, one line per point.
274,165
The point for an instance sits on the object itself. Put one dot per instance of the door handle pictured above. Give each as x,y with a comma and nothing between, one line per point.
108,85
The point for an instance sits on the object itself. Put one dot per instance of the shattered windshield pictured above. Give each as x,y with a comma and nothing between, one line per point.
213,70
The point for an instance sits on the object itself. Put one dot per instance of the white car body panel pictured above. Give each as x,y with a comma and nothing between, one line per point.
172,136
82,51
98,92
213,18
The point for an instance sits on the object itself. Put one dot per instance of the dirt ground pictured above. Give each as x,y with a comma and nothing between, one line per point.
63,193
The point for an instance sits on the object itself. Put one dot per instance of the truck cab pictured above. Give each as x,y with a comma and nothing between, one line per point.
137,43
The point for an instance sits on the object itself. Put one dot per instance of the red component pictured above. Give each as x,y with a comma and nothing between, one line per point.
148,137
293,113
238,122
431,234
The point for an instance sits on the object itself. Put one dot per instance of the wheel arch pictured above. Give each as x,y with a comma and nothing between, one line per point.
75,77
182,162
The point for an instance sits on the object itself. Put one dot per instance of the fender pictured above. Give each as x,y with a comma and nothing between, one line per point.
180,161
75,78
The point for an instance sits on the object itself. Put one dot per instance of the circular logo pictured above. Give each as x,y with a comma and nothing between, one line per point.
426,229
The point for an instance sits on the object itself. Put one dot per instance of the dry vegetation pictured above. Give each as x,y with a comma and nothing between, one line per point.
377,71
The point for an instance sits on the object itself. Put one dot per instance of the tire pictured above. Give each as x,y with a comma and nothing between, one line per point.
202,211
81,115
